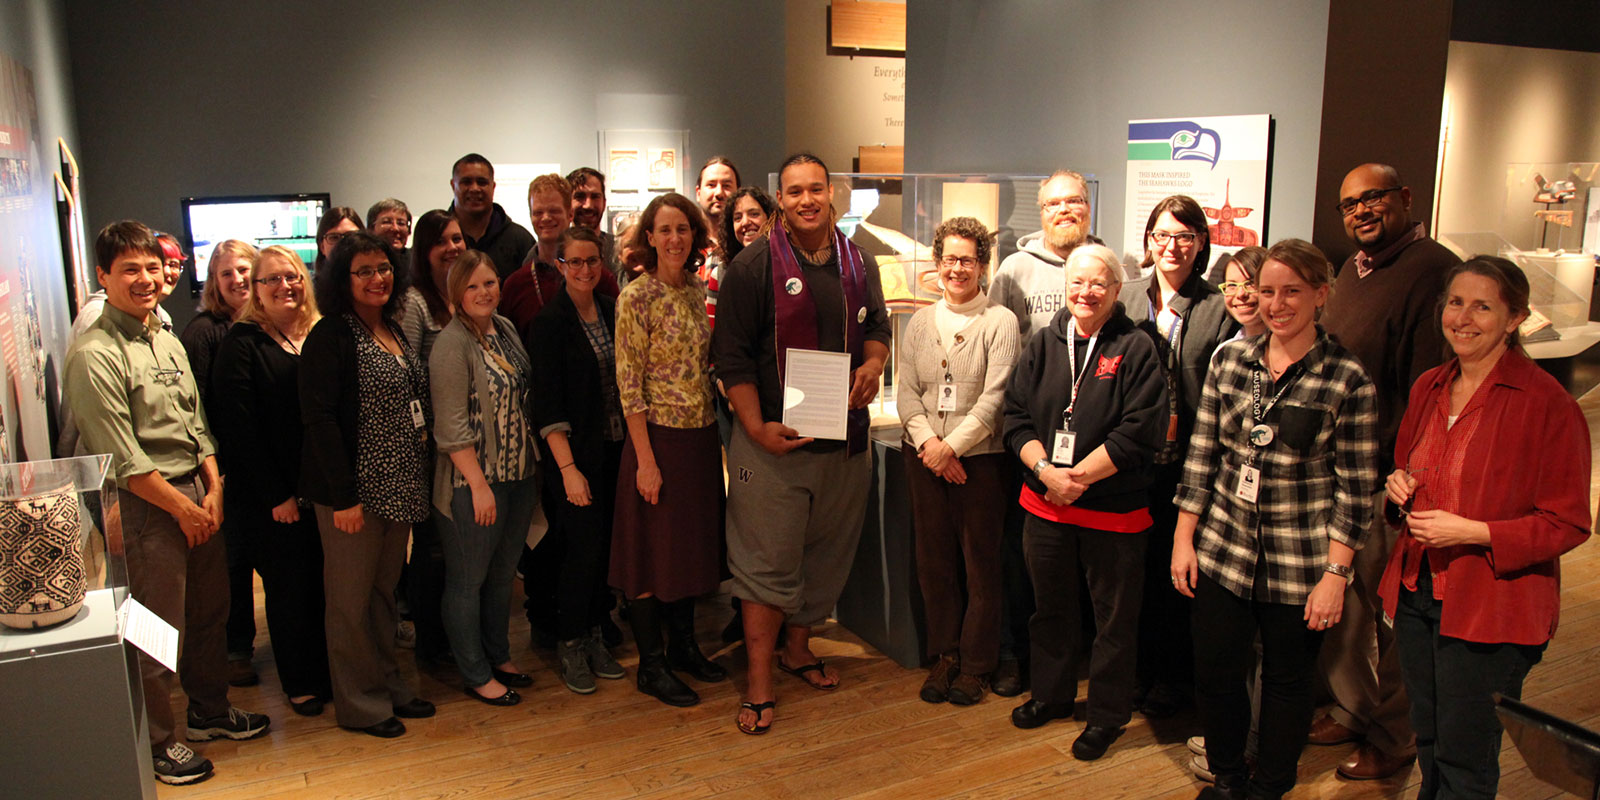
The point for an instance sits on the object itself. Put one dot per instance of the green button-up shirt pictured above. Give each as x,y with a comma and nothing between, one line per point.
129,385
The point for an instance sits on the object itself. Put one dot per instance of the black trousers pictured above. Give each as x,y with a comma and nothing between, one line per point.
241,594
289,558
1062,559
1164,618
1451,683
581,536
1225,627
1016,588
424,585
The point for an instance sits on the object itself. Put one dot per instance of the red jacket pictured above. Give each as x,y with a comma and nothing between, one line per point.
1527,475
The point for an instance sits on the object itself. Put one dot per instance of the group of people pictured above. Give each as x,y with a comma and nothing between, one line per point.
1202,457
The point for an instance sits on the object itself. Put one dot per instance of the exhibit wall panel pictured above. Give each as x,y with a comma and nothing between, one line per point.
1510,105
837,103
1030,87
36,109
372,100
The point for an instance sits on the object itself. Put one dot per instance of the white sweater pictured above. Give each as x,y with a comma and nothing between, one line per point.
976,343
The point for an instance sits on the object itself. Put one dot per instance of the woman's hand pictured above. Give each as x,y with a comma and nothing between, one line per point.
935,454
1440,528
483,505
287,511
648,479
576,486
1400,485
1185,567
1062,489
349,520
1326,603
953,471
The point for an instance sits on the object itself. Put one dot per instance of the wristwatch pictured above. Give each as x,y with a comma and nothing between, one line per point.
1342,570
1039,466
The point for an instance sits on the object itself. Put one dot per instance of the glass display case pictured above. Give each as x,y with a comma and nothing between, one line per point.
60,547
1550,206
893,217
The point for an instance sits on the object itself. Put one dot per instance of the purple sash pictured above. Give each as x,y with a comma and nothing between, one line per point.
795,314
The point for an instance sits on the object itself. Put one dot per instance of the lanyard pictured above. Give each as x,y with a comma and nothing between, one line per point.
1262,434
1072,365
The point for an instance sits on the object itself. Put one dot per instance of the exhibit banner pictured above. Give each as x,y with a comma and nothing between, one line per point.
1222,162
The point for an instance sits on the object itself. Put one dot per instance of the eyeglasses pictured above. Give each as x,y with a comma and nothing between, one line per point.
289,278
951,262
1184,239
334,237
592,262
1232,288
1095,287
367,273
1052,206
1370,199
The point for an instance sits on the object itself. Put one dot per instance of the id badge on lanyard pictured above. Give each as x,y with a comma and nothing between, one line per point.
1064,448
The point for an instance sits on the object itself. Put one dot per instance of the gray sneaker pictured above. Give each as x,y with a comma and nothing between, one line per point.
600,660
575,665
236,724
178,765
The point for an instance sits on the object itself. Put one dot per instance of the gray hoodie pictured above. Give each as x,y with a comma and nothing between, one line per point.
1032,283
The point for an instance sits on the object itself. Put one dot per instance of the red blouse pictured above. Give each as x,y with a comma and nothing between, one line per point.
1521,451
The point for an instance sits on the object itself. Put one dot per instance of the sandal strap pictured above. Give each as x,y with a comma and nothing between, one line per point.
760,707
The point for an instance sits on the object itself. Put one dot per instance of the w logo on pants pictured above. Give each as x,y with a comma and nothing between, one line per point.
745,474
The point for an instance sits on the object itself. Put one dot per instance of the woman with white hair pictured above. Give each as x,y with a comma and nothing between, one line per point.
1086,412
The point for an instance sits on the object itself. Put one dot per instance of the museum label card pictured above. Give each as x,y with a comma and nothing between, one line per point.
150,633
816,392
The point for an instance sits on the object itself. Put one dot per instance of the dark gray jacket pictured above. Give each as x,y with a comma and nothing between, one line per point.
1206,324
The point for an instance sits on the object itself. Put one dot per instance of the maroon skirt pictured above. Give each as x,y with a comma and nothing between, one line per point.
672,549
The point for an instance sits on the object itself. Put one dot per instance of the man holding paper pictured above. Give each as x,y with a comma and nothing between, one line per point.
127,384
796,502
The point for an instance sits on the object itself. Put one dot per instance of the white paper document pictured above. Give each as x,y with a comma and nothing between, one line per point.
151,633
816,392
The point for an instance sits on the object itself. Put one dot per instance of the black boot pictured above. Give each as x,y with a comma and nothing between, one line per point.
655,679
683,653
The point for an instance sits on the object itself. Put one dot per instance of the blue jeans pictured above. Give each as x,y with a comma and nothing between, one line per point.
479,564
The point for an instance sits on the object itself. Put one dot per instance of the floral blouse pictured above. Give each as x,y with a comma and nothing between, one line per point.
664,352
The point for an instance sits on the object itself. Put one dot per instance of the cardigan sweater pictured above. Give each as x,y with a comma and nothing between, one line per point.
978,359
568,376
1390,321
457,373
255,413
1525,473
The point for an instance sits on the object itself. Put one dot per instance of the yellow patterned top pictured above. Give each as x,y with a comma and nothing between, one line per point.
664,352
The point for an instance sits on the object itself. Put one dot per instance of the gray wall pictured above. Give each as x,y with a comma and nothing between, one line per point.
368,100
1031,86
33,34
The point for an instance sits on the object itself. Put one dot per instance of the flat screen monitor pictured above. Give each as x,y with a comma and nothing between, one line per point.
262,220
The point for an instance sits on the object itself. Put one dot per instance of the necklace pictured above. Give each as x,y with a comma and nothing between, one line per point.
277,335
374,334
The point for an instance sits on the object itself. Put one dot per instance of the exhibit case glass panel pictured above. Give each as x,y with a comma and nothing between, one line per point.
1551,206
893,217
63,577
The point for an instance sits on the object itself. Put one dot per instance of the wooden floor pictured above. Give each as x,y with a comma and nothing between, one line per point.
870,738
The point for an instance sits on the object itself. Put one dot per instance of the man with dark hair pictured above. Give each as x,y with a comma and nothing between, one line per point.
717,182
1384,308
589,211
795,506
133,400
484,224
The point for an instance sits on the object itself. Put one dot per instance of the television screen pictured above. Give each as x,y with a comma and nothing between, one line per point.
262,220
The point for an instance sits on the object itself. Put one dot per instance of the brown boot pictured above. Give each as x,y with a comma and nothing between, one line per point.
968,689
936,689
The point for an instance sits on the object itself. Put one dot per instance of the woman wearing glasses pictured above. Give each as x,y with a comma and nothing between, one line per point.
484,477
955,359
364,401
1274,502
579,413
255,409
1085,412
1187,318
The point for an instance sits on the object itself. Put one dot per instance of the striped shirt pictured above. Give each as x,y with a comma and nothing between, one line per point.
1318,474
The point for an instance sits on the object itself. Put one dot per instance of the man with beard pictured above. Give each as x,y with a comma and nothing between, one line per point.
1385,308
484,223
718,180
589,211
1032,282
795,505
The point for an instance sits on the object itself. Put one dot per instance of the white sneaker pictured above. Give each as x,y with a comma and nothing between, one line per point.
179,765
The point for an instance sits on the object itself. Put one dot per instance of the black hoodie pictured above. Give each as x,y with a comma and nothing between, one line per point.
1122,403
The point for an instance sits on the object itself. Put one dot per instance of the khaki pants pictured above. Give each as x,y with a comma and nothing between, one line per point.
1359,657
187,587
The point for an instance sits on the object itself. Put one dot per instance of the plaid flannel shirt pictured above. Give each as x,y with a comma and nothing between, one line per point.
1318,475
